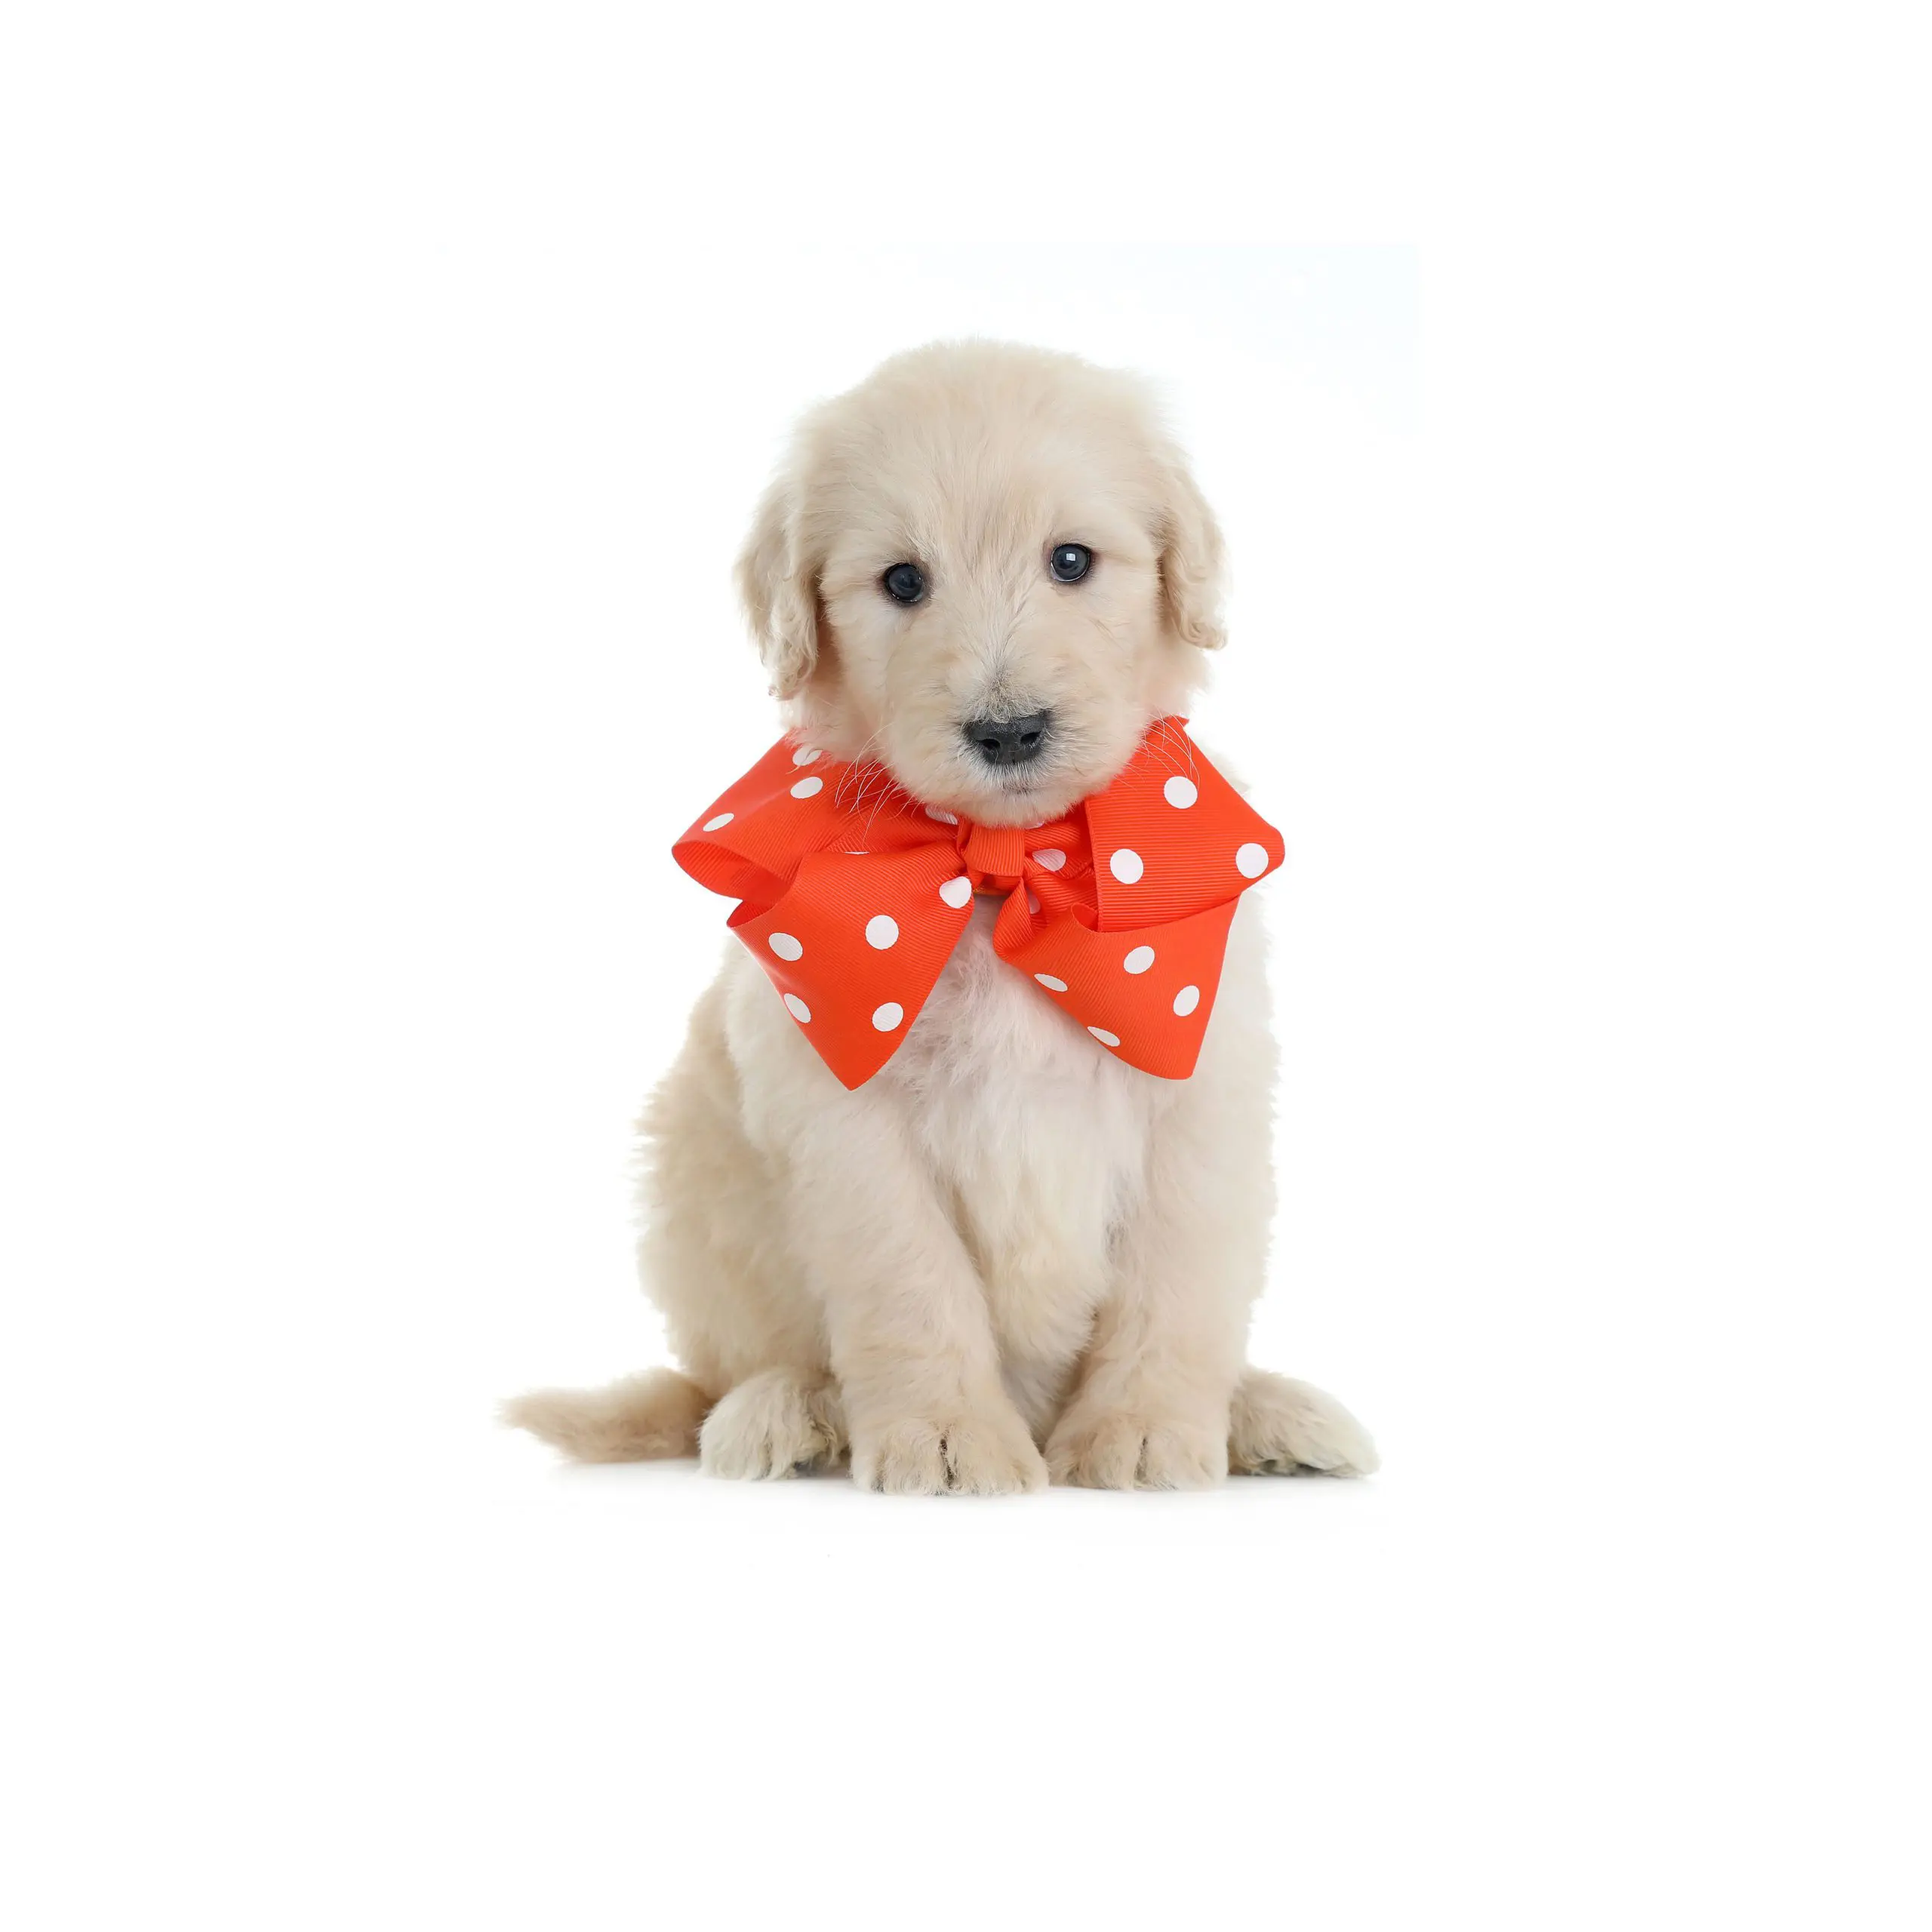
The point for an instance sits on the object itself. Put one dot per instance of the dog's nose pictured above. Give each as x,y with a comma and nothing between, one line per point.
1009,740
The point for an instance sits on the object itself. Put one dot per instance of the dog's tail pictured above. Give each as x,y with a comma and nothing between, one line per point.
654,1414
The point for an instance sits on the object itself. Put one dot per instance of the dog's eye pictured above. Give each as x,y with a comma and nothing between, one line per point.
1070,562
904,583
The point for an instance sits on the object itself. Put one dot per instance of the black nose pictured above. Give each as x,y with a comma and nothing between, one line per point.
1009,740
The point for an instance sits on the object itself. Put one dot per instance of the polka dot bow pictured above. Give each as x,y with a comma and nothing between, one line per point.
854,895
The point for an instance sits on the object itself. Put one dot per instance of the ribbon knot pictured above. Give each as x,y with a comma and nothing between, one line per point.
852,897
995,854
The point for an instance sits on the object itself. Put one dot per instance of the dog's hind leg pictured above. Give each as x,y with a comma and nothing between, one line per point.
774,1423
1277,1427
654,1414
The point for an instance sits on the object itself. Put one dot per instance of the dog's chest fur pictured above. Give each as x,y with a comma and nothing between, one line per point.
1038,1137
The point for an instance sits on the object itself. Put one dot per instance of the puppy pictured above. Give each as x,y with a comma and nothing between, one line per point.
1007,1256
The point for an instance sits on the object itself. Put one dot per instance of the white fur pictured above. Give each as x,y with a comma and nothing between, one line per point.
1008,1256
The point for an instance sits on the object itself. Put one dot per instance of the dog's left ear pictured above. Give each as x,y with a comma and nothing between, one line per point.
1193,558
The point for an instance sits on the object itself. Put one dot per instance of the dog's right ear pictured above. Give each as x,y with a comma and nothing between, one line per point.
779,588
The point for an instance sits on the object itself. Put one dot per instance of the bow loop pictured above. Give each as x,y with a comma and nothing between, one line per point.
853,897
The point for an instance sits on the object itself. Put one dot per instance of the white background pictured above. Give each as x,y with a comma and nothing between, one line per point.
385,393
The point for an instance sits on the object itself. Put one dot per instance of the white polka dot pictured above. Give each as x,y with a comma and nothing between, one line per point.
1186,1000
888,1016
1032,905
807,755
799,1011
1126,866
1181,792
1052,985
956,891
1105,1038
1051,857
785,946
881,931
1139,959
808,788
944,818
1251,861
723,818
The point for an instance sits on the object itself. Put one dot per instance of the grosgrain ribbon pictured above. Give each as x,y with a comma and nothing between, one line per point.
853,896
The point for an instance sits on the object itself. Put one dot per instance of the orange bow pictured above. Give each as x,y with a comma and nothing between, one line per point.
854,896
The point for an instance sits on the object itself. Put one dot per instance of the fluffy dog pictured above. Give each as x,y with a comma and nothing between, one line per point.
1008,1256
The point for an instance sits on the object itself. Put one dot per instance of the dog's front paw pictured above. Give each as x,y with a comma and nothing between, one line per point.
1279,1427
983,1453
1121,1449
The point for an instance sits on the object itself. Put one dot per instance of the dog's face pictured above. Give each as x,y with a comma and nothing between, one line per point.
988,568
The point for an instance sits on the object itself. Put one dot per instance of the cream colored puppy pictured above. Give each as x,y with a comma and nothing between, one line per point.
1008,1256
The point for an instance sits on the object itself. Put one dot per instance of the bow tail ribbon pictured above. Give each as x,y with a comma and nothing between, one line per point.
1111,982
852,972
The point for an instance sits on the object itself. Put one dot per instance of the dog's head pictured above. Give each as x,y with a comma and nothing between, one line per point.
988,568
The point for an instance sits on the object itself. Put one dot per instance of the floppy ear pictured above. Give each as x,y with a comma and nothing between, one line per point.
1193,559
780,590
